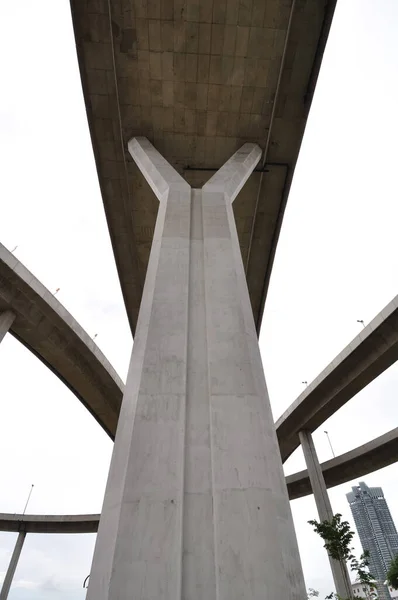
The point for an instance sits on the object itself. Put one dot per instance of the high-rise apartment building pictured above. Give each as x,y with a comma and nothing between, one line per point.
375,527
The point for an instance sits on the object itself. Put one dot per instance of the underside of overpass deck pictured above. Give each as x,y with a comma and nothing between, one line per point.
50,332
198,79
368,355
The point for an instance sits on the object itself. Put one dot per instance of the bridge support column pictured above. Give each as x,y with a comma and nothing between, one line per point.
340,573
6,320
196,505
12,566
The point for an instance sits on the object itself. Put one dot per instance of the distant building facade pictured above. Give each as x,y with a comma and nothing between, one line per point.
365,591
375,528
393,593
361,590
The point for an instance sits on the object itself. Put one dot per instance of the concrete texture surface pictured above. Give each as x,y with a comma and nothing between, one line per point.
196,504
49,331
368,355
198,79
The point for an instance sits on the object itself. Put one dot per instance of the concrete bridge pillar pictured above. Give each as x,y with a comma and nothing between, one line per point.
12,566
340,573
6,320
196,505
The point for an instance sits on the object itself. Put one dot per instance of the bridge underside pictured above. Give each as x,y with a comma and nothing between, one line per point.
50,332
198,79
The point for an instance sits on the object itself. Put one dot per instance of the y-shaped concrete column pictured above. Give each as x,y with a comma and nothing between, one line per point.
12,566
7,318
196,506
340,574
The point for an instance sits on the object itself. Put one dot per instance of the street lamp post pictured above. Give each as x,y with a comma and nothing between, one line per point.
27,501
330,444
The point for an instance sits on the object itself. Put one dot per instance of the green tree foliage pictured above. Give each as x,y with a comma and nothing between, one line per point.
337,536
392,574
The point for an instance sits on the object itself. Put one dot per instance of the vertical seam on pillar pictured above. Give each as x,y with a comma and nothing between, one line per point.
210,413
184,419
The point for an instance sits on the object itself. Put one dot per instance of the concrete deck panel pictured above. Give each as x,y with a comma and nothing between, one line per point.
48,330
49,523
368,355
198,79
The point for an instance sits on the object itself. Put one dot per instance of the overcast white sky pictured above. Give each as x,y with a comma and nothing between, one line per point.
336,263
